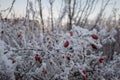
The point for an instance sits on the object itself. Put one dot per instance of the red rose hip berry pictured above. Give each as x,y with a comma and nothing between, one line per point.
94,36
66,44
37,58
94,46
71,33
101,60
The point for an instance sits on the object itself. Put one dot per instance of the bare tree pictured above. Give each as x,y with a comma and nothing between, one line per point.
71,12
41,14
89,10
63,13
27,15
103,7
51,12
83,10
13,2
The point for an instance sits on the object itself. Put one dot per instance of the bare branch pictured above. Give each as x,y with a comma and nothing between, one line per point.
41,14
103,7
11,7
51,10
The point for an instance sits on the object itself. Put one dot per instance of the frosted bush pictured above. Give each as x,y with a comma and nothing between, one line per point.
60,56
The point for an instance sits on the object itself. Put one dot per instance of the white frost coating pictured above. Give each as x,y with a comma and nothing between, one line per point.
54,57
2,47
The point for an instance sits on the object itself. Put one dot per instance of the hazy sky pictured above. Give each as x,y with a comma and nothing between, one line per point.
21,4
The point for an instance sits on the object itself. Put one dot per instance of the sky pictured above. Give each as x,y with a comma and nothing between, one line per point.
20,6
